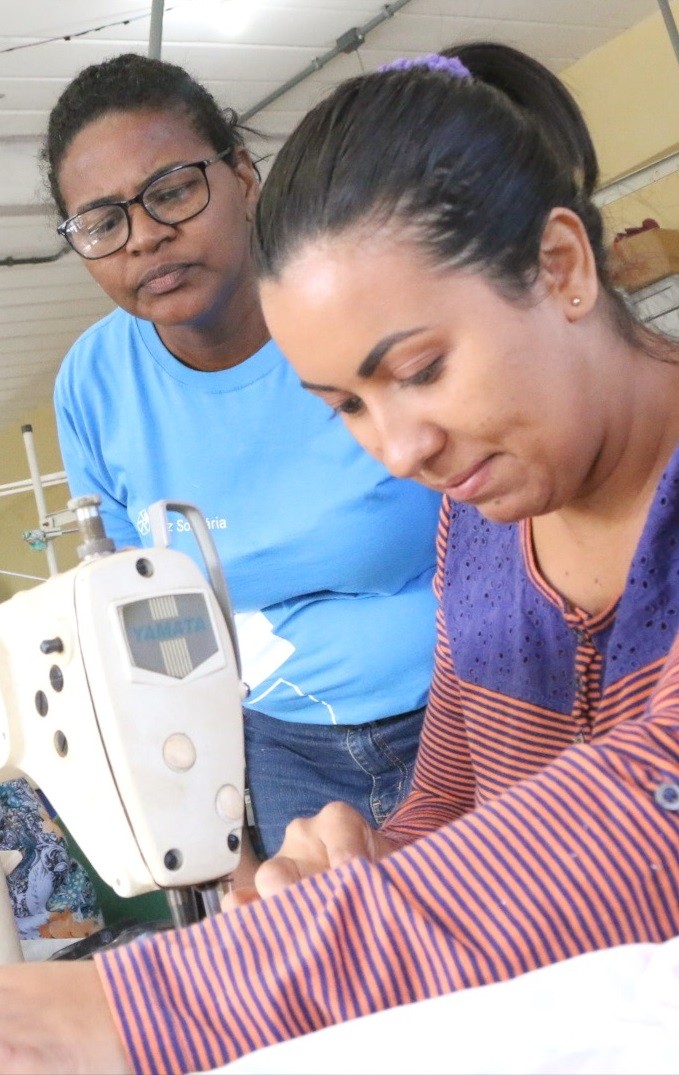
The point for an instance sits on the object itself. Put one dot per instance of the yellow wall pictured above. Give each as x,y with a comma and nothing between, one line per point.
19,512
628,90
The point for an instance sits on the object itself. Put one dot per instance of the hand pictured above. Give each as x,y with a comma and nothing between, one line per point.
242,889
331,838
54,1020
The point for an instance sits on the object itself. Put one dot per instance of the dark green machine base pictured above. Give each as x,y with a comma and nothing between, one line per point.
151,907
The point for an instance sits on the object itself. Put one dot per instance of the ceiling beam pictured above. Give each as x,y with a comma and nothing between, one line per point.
156,30
346,43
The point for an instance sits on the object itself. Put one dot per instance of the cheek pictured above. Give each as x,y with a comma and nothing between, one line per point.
107,276
363,429
229,234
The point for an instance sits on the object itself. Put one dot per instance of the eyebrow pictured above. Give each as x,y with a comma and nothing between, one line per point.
112,199
371,360
98,203
375,356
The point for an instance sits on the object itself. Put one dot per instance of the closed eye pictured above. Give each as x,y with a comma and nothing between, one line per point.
352,405
427,375
173,193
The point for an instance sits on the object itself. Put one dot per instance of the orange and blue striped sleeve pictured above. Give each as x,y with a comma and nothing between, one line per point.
580,856
443,787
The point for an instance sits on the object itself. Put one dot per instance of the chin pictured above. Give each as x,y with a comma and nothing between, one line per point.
501,513
511,509
171,311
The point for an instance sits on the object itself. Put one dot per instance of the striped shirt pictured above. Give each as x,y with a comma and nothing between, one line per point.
531,673
544,819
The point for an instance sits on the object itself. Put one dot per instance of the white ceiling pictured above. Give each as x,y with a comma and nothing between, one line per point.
43,307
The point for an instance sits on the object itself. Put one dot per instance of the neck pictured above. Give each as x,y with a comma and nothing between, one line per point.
585,548
219,339
641,435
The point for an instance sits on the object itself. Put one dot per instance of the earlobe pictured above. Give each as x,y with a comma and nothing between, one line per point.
567,265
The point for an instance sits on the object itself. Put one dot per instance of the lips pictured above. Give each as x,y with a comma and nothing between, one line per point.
163,278
469,484
464,475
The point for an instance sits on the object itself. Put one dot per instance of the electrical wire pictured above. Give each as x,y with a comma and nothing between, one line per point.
81,33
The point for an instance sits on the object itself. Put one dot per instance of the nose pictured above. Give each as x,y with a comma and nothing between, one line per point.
407,447
145,232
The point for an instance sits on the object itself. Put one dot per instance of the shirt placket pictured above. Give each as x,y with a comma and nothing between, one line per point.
587,682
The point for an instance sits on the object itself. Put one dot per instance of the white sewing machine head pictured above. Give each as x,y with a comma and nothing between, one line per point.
120,698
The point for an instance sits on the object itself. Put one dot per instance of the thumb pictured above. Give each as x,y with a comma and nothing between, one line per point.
276,874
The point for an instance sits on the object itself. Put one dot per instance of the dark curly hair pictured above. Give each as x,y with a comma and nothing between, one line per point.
125,83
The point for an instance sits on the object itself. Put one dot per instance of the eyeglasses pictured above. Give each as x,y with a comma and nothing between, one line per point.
173,197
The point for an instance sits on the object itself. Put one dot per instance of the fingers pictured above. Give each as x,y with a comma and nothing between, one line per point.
326,841
277,873
237,898
330,839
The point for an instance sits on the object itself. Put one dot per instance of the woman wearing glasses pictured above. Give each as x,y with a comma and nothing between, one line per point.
181,394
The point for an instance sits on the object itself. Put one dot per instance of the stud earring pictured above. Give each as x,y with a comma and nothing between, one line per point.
576,301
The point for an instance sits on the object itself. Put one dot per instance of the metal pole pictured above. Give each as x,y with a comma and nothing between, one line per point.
388,11
23,486
156,31
627,184
36,481
671,25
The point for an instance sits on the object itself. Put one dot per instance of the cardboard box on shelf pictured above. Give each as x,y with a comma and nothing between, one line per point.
636,261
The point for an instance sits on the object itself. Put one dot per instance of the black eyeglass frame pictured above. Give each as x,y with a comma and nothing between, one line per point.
138,199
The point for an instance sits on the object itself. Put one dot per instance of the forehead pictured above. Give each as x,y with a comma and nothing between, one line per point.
376,276
115,153
337,298
327,267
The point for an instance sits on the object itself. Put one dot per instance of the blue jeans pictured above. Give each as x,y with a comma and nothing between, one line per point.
294,769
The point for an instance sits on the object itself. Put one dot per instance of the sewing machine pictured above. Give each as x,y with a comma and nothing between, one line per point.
120,698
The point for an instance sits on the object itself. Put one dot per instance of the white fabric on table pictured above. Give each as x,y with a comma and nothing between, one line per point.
611,1011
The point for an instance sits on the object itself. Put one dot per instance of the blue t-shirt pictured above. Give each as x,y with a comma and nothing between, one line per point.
328,559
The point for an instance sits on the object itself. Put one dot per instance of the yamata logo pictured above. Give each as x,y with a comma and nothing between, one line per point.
179,525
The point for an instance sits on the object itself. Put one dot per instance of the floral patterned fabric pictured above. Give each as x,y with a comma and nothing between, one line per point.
50,892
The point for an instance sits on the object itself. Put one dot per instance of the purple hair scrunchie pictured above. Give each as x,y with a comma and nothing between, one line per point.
451,65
